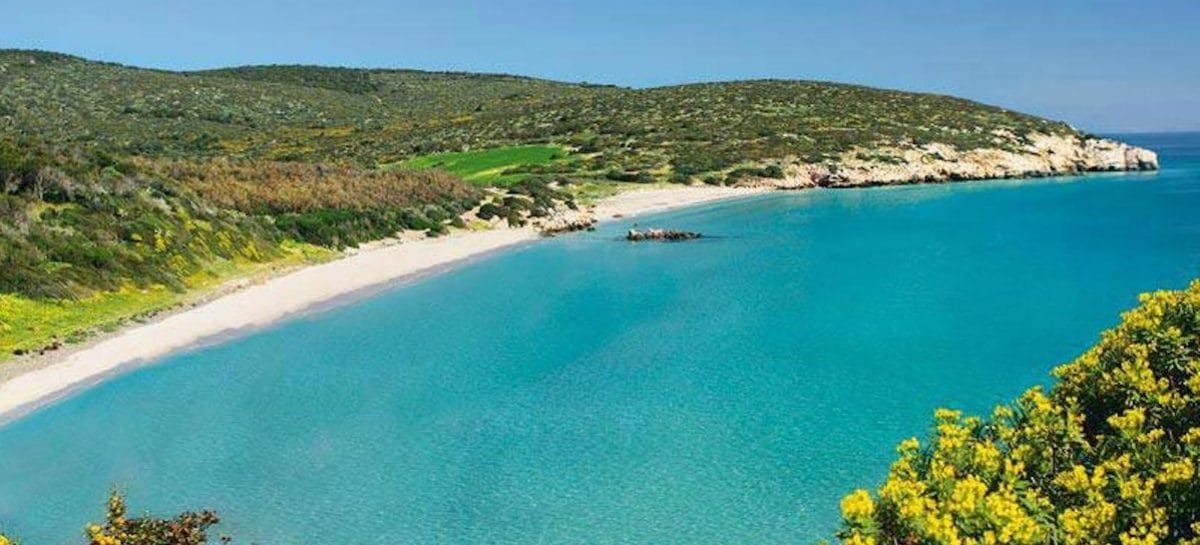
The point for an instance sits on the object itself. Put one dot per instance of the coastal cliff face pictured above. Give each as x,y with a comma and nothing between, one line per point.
1041,155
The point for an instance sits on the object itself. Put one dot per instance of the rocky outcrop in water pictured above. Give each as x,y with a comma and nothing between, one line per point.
668,235
1043,155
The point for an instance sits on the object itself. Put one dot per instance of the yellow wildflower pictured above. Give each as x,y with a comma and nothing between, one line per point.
857,507
1192,437
1193,382
1088,524
941,528
947,415
1013,469
942,470
1129,422
967,495
1136,489
987,457
97,536
1177,472
1149,528
1074,479
857,538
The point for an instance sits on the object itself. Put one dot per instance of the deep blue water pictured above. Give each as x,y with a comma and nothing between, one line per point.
585,390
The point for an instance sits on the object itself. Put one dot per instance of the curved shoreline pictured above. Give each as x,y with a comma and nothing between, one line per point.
309,289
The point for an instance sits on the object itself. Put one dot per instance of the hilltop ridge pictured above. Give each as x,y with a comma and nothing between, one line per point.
375,116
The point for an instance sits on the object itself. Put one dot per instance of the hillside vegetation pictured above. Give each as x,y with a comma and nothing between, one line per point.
122,188
1109,455
88,241
372,117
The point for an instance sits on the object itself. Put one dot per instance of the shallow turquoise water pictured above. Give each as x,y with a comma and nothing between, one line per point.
584,390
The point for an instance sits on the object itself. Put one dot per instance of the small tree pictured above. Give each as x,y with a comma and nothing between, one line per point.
189,528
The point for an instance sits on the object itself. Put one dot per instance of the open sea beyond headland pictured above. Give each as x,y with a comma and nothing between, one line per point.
587,390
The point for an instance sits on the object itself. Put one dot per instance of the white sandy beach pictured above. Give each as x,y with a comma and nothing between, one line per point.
262,304
644,201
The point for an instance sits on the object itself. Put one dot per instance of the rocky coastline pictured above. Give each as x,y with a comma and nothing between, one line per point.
1042,155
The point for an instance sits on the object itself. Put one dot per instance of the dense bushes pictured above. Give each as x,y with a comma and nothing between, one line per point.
769,171
65,235
266,187
629,176
73,222
340,228
329,205
1109,455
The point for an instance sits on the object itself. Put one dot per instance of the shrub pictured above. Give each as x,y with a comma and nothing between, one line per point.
185,529
620,176
773,171
267,187
66,235
1109,455
488,211
190,528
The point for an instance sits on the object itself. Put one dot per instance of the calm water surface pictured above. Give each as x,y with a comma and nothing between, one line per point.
585,390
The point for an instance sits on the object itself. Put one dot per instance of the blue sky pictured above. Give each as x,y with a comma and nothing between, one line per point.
1102,65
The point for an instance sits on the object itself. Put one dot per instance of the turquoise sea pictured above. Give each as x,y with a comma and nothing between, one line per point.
586,390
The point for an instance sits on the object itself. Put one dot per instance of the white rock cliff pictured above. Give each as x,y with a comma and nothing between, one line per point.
1044,155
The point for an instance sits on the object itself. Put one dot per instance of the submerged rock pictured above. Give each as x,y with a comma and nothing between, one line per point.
635,235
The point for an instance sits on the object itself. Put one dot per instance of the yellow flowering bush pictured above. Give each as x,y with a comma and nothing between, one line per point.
185,529
1108,456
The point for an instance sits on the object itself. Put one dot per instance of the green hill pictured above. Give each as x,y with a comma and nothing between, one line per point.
368,117
122,188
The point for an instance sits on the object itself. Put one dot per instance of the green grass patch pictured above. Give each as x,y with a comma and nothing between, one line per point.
495,166
28,324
